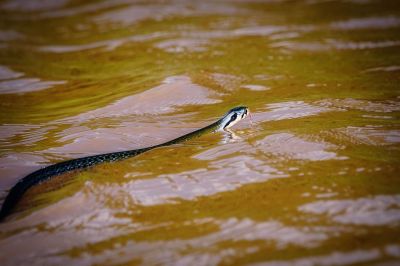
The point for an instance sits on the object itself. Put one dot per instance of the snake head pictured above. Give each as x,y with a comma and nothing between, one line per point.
233,116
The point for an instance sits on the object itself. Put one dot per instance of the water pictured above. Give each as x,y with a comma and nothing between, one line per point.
313,181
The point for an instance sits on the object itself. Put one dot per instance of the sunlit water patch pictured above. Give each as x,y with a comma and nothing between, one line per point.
136,13
383,69
370,135
221,175
367,23
363,105
9,131
174,92
208,246
287,145
288,110
334,44
226,81
255,87
183,45
21,5
374,211
108,45
7,73
335,258
225,150
24,85
186,41
13,82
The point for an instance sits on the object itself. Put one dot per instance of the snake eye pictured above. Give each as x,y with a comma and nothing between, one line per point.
232,119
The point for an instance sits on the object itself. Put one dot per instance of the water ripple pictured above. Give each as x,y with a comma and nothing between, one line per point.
287,145
174,92
109,45
34,5
367,23
221,175
12,82
25,85
369,135
373,211
289,110
334,258
386,106
7,73
135,13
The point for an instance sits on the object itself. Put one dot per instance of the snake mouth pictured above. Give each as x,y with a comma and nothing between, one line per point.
246,113
250,116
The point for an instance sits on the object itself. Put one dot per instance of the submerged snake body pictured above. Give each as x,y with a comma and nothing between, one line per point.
46,173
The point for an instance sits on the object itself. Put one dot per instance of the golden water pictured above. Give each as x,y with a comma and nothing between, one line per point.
313,181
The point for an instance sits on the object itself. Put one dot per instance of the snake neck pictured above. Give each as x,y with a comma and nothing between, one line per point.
216,126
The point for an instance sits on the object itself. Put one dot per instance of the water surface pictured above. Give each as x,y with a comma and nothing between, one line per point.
313,181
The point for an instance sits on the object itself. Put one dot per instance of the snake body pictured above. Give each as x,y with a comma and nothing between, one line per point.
46,173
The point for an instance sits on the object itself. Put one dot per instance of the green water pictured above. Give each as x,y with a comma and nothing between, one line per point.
312,181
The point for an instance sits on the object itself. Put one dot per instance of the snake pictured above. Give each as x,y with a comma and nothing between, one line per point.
17,191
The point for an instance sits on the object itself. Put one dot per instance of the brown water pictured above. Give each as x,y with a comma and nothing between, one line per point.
314,181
